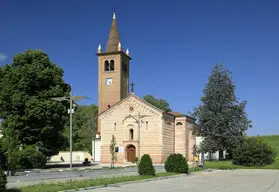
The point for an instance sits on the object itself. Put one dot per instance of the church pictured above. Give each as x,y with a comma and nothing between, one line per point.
139,127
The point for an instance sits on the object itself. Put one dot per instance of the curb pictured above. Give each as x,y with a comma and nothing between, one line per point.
125,183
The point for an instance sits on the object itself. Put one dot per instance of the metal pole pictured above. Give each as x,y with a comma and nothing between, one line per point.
71,130
139,136
93,149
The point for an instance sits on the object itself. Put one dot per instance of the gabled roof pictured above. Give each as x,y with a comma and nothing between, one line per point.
125,99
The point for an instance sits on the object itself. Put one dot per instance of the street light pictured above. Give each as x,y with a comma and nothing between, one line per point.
71,99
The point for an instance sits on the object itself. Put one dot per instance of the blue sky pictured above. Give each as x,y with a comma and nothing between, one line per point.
174,46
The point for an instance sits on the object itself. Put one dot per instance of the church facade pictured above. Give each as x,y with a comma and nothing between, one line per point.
139,127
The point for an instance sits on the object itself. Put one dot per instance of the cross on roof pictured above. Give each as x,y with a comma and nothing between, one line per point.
133,85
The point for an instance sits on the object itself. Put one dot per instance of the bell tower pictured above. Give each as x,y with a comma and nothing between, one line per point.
113,71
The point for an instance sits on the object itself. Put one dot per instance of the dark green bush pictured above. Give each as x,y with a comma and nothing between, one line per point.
176,163
145,166
30,158
86,161
253,152
3,180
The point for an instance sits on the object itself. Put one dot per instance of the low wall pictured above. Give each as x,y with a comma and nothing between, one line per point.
64,156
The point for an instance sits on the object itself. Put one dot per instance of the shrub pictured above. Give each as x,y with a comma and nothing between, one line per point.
145,166
253,152
3,180
86,161
30,158
176,163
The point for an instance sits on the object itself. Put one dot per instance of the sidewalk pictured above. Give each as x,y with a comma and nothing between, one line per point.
18,184
77,166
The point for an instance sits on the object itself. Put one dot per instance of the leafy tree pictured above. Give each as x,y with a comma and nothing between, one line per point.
9,147
85,124
221,117
159,103
25,106
112,151
3,180
30,158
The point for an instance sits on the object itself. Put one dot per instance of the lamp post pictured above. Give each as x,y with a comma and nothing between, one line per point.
70,99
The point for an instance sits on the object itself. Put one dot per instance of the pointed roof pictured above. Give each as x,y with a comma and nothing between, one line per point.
114,37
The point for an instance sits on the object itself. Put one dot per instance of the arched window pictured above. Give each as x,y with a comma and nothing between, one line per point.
114,126
131,134
111,65
178,123
106,65
146,125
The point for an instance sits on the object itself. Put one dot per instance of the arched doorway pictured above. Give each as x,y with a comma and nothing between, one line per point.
131,153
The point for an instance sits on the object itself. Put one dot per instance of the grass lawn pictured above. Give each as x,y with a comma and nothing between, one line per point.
229,165
54,187
272,140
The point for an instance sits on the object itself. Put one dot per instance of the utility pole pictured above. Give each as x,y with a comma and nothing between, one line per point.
139,135
71,131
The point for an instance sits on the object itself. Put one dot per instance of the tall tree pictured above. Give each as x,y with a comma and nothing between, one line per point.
25,106
221,117
85,124
160,103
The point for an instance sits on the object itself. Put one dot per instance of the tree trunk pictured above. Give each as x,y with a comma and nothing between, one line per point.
210,156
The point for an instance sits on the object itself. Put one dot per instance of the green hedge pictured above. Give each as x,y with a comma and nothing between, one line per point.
30,158
145,166
176,163
253,152
3,180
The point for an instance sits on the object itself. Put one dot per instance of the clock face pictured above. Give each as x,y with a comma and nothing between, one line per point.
109,81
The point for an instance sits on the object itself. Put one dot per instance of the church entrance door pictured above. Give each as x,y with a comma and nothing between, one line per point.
131,153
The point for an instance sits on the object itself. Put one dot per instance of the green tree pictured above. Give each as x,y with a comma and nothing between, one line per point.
85,125
159,103
112,151
3,180
221,117
10,147
25,106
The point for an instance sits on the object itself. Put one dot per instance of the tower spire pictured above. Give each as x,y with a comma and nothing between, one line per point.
114,15
114,37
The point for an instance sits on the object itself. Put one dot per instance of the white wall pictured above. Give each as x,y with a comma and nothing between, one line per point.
78,156
96,150
214,156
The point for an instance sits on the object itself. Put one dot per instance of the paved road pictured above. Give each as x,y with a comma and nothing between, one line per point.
216,181
48,177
